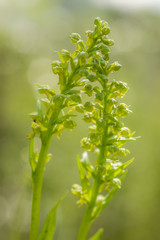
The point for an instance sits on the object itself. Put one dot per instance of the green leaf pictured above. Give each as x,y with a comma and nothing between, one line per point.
34,116
45,102
98,235
39,109
84,181
49,225
64,56
48,158
115,171
86,163
44,89
124,165
32,154
99,208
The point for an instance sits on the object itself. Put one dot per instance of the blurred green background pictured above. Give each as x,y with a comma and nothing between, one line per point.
30,34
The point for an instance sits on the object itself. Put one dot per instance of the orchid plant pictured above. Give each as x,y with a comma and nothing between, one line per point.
83,74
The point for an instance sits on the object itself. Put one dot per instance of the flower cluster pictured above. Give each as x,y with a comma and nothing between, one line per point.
104,113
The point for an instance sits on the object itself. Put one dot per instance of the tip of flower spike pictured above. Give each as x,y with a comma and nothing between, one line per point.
75,37
97,21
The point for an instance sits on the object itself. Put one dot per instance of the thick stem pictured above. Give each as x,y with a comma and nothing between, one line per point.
85,225
37,188
87,219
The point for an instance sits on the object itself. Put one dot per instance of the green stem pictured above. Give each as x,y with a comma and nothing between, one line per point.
87,219
39,172
37,188
85,225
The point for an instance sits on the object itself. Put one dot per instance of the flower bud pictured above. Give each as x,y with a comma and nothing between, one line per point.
87,117
91,77
88,89
88,106
114,67
112,149
82,56
110,104
80,108
56,67
99,96
123,152
100,125
80,45
66,55
86,144
97,21
93,128
121,87
76,98
75,37
104,50
94,138
116,182
122,110
125,132
102,62
77,190
90,35
36,127
95,62
107,41
105,30
96,89
69,124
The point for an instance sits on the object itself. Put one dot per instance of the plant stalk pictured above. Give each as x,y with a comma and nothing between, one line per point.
37,189
87,219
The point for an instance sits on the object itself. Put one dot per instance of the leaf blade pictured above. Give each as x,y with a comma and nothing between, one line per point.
98,235
49,225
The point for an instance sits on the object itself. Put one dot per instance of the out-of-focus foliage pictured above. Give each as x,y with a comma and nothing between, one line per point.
30,33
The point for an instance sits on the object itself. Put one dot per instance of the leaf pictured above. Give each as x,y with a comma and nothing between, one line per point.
98,235
49,225
48,157
99,208
39,109
86,163
46,90
32,154
124,139
34,115
46,102
124,165
118,171
84,181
